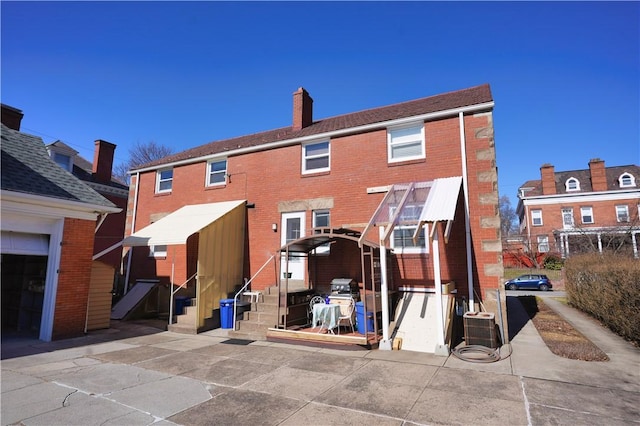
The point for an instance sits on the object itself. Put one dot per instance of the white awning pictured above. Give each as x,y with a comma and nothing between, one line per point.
178,226
442,200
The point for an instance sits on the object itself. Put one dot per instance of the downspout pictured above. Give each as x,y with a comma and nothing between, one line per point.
467,220
133,228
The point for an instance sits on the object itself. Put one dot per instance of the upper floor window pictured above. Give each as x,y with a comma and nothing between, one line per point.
164,180
315,157
622,213
567,217
587,214
536,217
572,184
216,172
63,161
627,180
405,143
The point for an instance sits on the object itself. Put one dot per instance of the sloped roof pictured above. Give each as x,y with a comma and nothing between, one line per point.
584,176
83,168
27,168
457,99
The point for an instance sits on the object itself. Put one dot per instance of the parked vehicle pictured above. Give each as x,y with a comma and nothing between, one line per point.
529,282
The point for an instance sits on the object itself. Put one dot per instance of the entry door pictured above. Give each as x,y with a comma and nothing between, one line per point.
292,229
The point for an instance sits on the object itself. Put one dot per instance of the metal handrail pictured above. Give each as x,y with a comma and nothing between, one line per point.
246,284
173,292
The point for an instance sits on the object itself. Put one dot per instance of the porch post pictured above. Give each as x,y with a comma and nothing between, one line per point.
385,343
441,348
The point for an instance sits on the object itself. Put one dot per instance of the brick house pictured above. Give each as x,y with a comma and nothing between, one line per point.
49,221
592,209
98,176
334,173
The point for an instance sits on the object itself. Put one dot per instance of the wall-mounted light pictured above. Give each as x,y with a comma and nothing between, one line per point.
274,227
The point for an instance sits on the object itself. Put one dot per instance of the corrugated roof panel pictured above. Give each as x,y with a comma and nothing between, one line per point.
442,200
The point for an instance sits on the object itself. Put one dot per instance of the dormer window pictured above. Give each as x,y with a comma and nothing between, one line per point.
63,161
627,180
572,184
62,154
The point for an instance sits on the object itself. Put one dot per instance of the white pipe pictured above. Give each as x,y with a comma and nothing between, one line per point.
385,343
438,281
467,220
133,229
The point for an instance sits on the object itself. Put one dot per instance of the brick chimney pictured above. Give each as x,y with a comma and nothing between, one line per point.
598,174
302,109
103,161
11,117
548,176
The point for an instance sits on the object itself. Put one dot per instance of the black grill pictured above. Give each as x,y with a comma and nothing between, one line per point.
344,286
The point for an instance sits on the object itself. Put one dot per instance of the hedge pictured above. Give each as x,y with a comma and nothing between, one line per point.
608,288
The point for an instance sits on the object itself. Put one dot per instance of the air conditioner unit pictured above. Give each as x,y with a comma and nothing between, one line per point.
480,329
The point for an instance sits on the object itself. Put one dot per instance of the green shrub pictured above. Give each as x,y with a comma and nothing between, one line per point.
553,262
607,287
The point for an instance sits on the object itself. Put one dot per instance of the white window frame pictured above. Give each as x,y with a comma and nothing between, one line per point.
325,248
307,157
624,217
211,172
543,243
160,180
413,216
67,165
403,136
627,176
569,183
536,214
586,211
159,251
567,212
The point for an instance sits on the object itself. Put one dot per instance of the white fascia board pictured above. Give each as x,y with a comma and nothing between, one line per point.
326,135
587,197
52,207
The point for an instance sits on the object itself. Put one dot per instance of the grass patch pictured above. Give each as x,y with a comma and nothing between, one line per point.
560,336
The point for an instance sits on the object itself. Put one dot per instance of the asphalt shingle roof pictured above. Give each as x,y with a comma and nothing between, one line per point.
461,98
27,168
584,177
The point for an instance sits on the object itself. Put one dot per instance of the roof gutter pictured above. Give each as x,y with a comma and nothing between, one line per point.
364,128
48,206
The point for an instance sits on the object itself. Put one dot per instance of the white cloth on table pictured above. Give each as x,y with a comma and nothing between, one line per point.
326,315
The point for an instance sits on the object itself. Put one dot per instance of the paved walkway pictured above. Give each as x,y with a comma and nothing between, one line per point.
137,375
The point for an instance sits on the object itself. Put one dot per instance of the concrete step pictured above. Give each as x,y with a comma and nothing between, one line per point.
257,335
252,327
260,317
181,328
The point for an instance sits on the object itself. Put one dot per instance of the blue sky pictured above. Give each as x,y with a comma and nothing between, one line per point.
565,77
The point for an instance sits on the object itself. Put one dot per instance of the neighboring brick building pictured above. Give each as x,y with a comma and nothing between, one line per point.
594,209
48,226
98,176
334,172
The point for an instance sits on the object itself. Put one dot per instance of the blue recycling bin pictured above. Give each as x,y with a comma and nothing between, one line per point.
360,321
226,313
181,302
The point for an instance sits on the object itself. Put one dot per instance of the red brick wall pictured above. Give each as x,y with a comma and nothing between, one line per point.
358,162
73,278
111,232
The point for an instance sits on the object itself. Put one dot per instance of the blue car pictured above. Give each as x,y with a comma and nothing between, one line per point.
529,282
